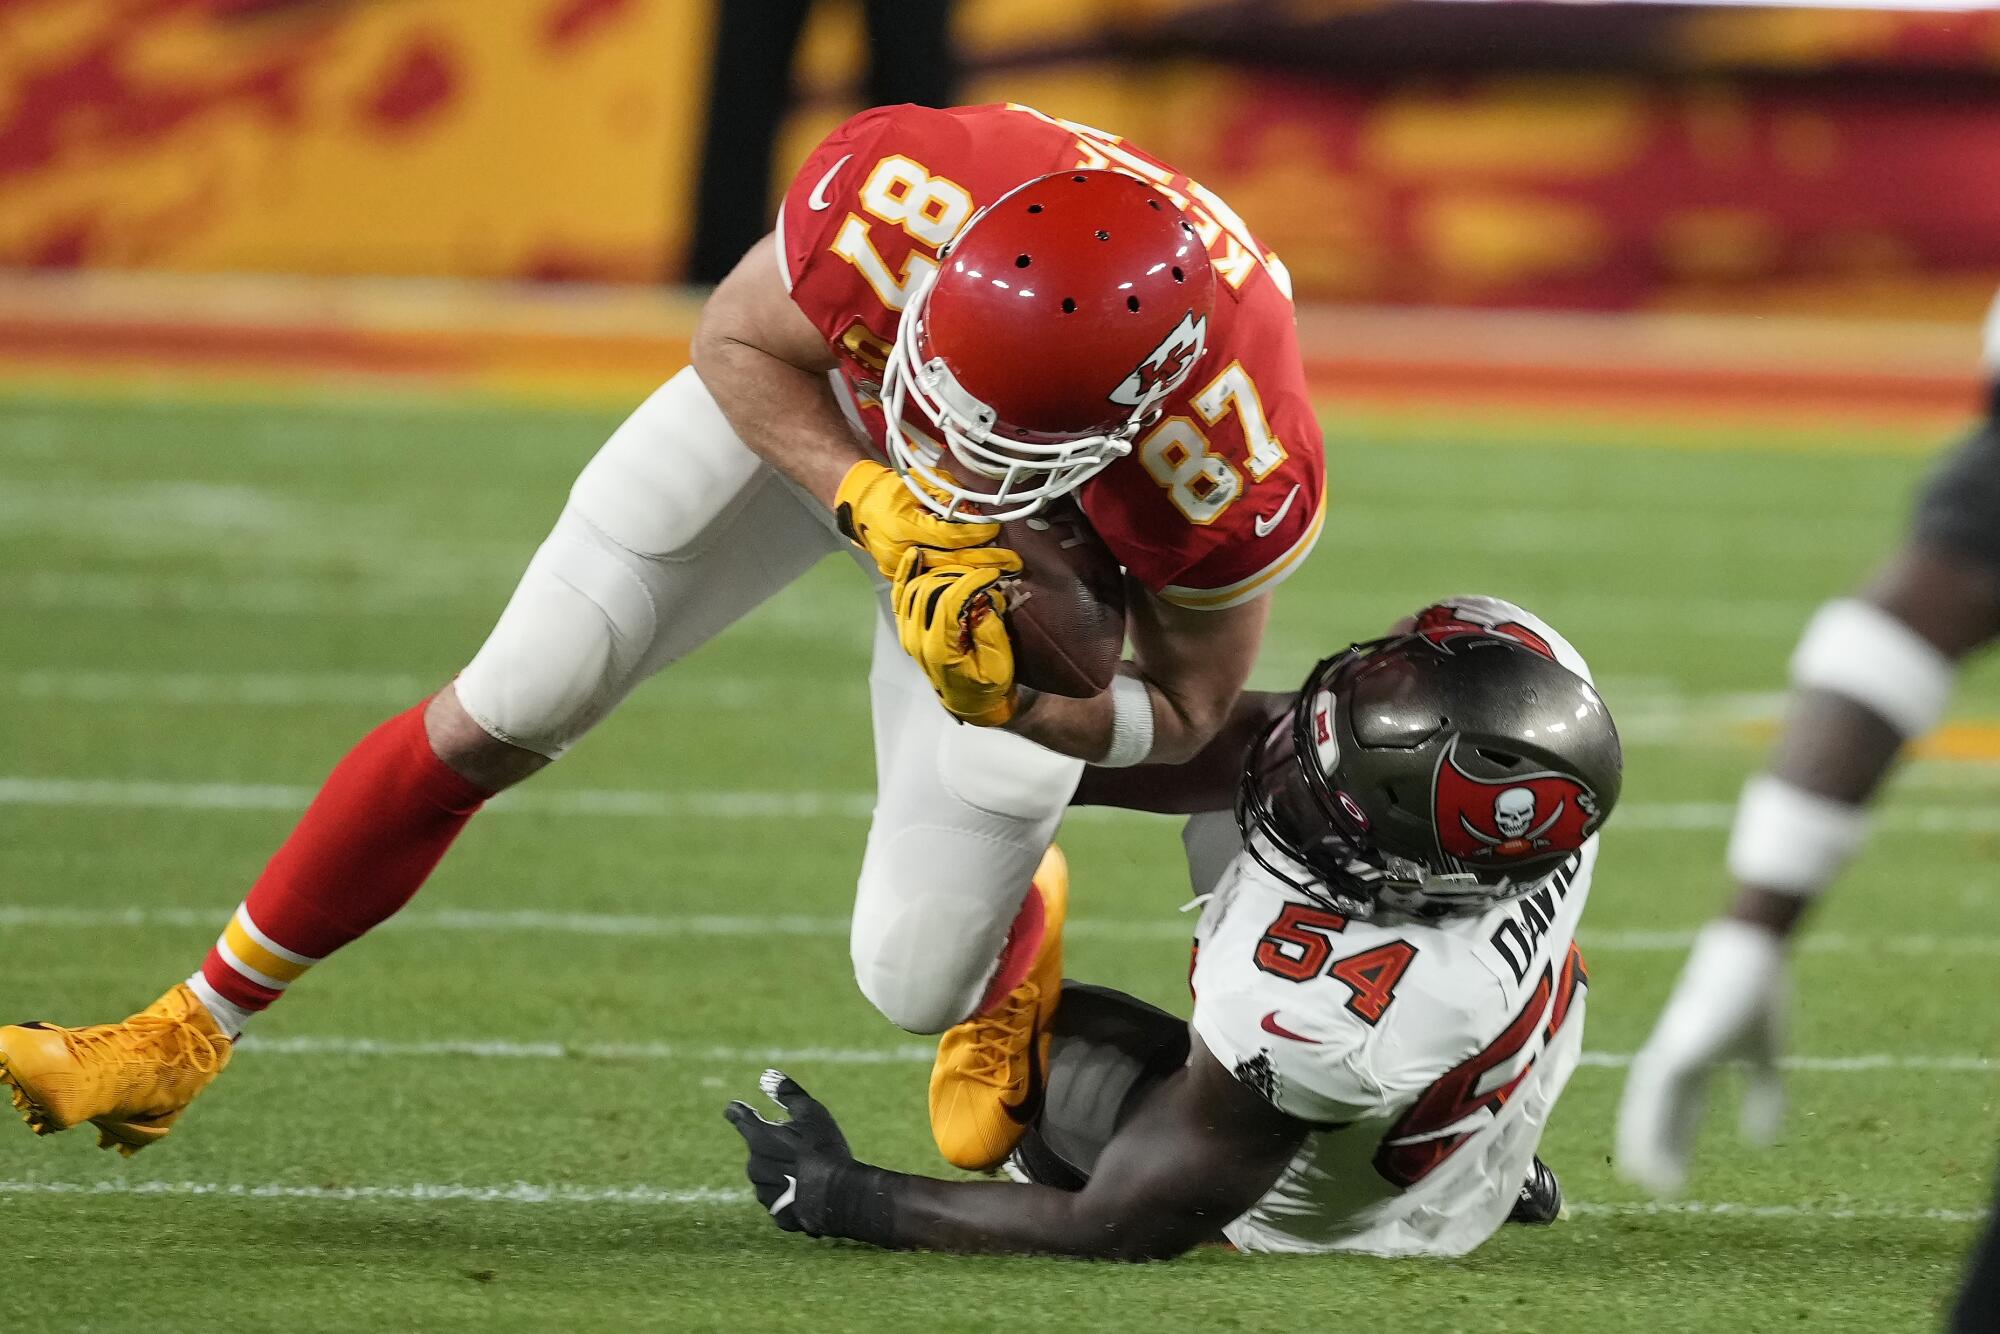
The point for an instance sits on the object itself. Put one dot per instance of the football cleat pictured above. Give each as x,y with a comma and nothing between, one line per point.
986,1085
130,1080
1541,1199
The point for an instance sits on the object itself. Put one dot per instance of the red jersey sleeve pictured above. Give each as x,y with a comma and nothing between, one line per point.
1279,541
817,205
866,215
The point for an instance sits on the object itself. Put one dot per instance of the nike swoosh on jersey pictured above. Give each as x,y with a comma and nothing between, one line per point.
784,1201
1265,526
1271,1025
818,201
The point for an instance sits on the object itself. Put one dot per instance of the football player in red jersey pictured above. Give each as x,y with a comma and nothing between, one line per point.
961,315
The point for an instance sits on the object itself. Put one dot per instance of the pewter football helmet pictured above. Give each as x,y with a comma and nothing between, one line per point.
1443,770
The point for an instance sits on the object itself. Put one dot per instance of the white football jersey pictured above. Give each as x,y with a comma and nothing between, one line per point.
1430,1052
1990,358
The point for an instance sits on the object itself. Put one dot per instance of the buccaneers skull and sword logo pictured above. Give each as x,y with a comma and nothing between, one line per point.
1522,815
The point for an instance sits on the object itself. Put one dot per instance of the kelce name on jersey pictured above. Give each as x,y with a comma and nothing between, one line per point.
1519,935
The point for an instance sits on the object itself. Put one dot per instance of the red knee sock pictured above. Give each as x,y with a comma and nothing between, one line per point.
382,820
1017,956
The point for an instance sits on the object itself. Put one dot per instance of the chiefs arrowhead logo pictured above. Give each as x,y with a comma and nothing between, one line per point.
1166,367
1521,815
1158,378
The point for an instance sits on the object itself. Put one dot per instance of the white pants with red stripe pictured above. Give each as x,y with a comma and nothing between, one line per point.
673,532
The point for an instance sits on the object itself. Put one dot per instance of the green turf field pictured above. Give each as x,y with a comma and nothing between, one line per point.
201,606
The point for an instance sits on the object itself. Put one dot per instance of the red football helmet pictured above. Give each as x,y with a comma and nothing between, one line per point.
1059,319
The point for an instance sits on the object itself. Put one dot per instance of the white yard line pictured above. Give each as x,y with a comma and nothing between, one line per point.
906,1053
145,794
536,921
1648,710
1651,712
465,579
292,689
712,1197
519,1192
1837,1065
1810,1212
1676,942
258,688
647,803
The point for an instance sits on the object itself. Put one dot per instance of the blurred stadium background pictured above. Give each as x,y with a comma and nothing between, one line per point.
1657,160
1644,314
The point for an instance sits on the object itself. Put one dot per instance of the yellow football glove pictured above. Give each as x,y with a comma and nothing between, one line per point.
877,513
948,615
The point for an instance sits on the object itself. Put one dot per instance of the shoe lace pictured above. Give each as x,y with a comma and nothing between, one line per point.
179,1042
996,1041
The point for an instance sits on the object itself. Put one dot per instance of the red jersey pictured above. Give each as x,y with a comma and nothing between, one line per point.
1224,494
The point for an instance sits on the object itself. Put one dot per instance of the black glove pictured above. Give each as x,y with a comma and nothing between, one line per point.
801,1168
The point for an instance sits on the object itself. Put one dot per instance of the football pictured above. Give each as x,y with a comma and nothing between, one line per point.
1066,609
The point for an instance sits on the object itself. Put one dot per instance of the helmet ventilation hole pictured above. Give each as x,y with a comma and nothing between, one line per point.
1034,208
1186,230
1132,304
1022,261
1079,178
1069,305
1153,204
1103,235
1179,277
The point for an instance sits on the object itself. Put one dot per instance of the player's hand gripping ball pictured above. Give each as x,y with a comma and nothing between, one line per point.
950,610
877,511
1046,609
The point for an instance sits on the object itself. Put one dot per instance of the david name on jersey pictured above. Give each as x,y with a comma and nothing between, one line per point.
1519,936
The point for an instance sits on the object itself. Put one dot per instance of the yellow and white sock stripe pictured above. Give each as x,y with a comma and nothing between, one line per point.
244,972
256,956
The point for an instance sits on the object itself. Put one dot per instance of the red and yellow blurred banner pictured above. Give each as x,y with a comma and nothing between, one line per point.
1708,158
1556,191
462,137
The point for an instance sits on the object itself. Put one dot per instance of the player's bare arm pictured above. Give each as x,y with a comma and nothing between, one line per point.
767,365
1206,782
1200,1148
1838,747
1191,665
1872,672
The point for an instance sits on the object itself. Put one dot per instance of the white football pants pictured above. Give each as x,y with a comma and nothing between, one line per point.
673,532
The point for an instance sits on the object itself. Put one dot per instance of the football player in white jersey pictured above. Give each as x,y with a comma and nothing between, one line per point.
1873,672
1388,997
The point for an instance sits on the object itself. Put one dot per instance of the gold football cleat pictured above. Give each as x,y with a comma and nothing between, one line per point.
130,1080
986,1085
